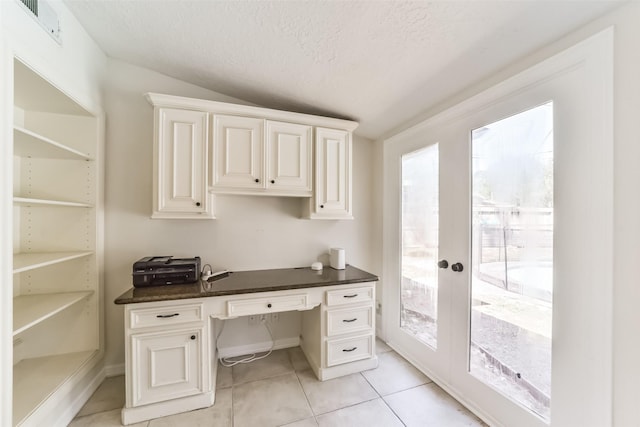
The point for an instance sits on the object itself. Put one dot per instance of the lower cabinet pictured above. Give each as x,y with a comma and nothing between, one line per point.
338,337
349,325
167,359
171,352
167,365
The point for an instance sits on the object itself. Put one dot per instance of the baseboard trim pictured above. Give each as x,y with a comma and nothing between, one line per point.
82,398
347,368
169,407
241,350
59,409
114,370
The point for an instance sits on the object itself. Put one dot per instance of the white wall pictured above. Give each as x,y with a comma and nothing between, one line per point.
249,233
626,298
76,65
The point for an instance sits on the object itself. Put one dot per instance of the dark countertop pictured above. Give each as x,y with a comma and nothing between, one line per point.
244,282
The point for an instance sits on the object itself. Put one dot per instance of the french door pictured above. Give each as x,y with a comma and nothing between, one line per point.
498,238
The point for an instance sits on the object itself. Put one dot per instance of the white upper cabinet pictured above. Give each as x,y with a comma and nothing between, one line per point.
238,154
204,147
332,192
289,157
180,167
257,156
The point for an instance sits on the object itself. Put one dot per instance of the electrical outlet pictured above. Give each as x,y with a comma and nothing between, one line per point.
275,317
253,320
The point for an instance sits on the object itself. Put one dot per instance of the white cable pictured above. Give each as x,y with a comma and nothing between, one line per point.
229,362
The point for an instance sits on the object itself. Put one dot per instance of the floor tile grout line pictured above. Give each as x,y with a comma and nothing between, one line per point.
265,378
371,385
381,396
313,413
399,391
393,412
233,409
348,406
407,389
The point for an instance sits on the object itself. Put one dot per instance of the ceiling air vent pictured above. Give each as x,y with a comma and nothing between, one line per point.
45,15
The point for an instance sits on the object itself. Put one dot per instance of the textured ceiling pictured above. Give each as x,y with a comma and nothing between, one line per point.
378,62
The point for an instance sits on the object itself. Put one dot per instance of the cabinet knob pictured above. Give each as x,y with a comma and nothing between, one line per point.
273,181
321,206
193,337
269,305
457,267
443,263
257,180
197,203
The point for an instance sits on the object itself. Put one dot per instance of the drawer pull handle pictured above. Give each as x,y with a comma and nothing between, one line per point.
350,296
350,320
348,350
165,316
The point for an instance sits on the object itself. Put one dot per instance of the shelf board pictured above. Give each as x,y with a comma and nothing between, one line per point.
27,201
29,310
35,93
31,144
35,380
30,261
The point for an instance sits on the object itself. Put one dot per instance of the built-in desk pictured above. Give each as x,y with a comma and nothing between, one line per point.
170,341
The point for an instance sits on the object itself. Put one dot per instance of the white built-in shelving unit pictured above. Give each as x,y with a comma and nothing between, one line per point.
57,332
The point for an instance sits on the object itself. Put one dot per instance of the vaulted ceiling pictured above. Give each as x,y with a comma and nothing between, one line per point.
377,62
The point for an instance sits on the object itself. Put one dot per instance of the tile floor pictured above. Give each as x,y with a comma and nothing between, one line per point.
281,390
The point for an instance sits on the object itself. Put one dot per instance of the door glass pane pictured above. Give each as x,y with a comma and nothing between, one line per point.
512,256
419,272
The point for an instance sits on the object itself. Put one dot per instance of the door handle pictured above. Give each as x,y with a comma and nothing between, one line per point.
443,263
457,267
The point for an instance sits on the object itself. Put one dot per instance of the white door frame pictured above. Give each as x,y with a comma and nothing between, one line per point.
582,389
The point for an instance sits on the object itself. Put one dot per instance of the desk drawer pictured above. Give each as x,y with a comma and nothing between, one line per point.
164,316
349,349
274,304
348,320
350,296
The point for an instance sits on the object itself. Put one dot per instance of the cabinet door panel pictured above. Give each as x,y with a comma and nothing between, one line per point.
181,162
238,158
289,157
333,175
167,365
